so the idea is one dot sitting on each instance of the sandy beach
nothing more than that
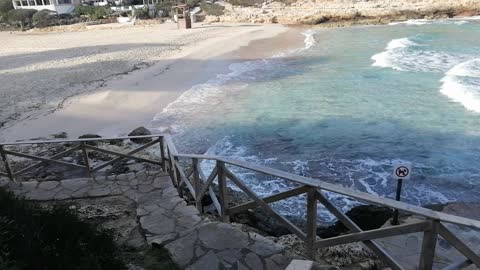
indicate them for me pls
(109, 81)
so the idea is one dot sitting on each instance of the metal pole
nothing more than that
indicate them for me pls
(397, 197)
(7, 165)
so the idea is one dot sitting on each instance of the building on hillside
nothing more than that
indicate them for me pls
(59, 6)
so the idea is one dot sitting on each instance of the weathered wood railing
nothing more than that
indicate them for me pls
(85, 147)
(199, 185)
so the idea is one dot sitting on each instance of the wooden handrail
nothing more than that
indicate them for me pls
(83, 146)
(430, 228)
(81, 140)
(374, 234)
(362, 196)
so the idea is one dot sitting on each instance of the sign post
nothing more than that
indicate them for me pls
(400, 172)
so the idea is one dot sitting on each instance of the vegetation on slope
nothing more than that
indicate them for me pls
(32, 237)
(5, 7)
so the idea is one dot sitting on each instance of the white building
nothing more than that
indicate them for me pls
(59, 6)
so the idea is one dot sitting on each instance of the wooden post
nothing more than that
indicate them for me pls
(311, 222)
(7, 165)
(171, 168)
(86, 160)
(428, 247)
(196, 184)
(222, 190)
(178, 177)
(162, 154)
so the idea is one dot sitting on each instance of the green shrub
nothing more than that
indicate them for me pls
(142, 13)
(212, 9)
(44, 18)
(193, 3)
(36, 238)
(21, 17)
(93, 12)
(157, 258)
(5, 7)
(164, 7)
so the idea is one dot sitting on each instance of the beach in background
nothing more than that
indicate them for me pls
(109, 81)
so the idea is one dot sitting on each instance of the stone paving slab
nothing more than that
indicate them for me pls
(165, 219)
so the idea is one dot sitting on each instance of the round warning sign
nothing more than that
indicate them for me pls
(402, 171)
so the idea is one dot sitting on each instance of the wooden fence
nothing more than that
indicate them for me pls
(85, 147)
(199, 185)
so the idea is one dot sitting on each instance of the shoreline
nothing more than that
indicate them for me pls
(125, 101)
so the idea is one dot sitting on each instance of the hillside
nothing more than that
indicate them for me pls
(341, 12)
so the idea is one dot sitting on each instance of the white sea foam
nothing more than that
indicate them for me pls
(457, 21)
(370, 175)
(403, 54)
(309, 39)
(300, 167)
(413, 22)
(211, 92)
(393, 52)
(462, 84)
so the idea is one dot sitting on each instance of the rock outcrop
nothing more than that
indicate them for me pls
(342, 12)
(140, 131)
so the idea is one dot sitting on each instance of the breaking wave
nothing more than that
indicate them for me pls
(456, 21)
(368, 175)
(201, 97)
(462, 84)
(403, 54)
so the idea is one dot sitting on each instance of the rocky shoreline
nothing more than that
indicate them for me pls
(337, 13)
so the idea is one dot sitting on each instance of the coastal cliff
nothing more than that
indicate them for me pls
(342, 12)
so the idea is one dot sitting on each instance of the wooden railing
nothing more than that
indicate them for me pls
(198, 185)
(85, 147)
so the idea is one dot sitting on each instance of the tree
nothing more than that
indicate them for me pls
(5, 7)
(164, 7)
(93, 12)
(44, 18)
(22, 17)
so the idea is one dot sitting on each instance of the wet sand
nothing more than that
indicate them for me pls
(123, 102)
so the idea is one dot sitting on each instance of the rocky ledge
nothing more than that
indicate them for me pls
(341, 12)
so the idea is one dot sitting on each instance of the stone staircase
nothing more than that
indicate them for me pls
(194, 241)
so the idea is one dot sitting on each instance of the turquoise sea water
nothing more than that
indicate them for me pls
(346, 107)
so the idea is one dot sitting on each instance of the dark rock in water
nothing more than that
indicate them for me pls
(367, 217)
(90, 136)
(140, 131)
(60, 135)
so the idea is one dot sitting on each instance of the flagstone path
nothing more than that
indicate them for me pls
(165, 219)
